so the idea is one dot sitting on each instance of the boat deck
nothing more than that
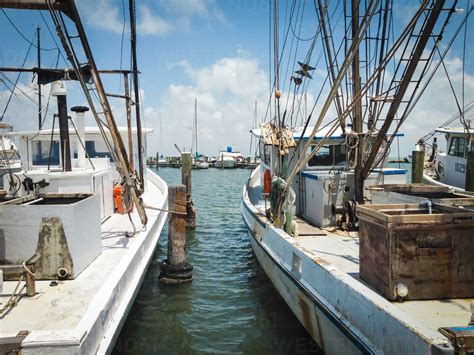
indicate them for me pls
(342, 251)
(67, 312)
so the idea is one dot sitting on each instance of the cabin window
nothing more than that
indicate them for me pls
(457, 147)
(40, 152)
(328, 155)
(97, 149)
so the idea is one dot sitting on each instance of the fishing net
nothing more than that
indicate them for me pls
(282, 202)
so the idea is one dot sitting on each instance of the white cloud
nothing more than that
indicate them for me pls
(226, 93)
(102, 14)
(152, 24)
(189, 8)
(106, 15)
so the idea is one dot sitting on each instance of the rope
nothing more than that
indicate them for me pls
(345, 66)
(27, 270)
(165, 210)
(12, 302)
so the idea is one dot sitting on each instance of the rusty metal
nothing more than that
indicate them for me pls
(122, 162)
(461, 337)
(12, 345)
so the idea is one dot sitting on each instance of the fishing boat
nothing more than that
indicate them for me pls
(228, 159)
(361, 277)
(79, 227)
(447, 165)
(225, 160)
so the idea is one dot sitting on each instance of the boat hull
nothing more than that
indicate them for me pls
(430, 181)
(92, 308)
(340, 313)
(226, 164)
(331, 335)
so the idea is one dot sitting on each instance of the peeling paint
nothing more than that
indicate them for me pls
(53, 247)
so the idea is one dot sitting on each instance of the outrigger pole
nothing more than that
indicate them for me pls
(133, 42)
(68, 7)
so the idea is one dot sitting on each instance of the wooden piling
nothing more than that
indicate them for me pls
(157, 160)
(175, 269)
(469, 184)
(417, 165)
(186, 179)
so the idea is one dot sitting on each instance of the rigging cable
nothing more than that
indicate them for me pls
(16, 81)
(23, 36)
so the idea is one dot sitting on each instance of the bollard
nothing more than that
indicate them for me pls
(469, 183)
(418, 163)
(186, 179)
(175, 270)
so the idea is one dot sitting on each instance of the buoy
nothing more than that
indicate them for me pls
(119, 206)
(267, 180)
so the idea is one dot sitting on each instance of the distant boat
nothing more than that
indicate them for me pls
(202, 165)
(228, 159)
(162, 163)
(199, 162)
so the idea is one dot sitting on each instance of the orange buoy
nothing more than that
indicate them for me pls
(119, 206)
(267, 180)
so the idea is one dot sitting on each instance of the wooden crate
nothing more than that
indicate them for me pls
(432, 254)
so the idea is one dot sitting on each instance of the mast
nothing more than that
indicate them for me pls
(196, 124)
(277, 83)
(118, 151)
(357, 112)
(133, 40)
(128, 105)
(37, 77)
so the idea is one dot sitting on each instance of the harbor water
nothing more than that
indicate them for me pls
(230, 306)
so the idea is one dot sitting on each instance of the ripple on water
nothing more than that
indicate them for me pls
(230, 306)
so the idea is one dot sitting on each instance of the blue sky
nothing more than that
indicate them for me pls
(217, 51)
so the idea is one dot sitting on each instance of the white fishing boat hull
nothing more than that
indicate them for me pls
(226, 164)
(430, 181)
(85, 315)
(202, 165)
(341, 313)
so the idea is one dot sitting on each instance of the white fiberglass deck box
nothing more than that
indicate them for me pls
(64, 229)
(323, 189)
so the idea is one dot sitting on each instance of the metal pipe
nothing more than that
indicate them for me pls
(429, 205)
(335, 209)
(30, 284)
(62, 272)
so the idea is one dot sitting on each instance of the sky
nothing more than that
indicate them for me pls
(215, 51)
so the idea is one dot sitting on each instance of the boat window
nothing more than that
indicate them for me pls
(98, 149)
(457, 147)
(40, 153)
(328, 155)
